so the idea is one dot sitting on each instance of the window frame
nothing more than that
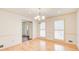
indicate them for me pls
(42, 29)
(59, 29)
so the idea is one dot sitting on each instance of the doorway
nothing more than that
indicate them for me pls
(26, 31)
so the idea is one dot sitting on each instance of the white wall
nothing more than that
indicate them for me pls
(70, 27)
(35, 29)
(78, 29)
(10, 29)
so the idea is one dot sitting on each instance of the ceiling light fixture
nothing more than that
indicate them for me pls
(39, 17)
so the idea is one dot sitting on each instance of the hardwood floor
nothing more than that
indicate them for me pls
(42, 45)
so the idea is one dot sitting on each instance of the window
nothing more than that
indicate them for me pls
(59, 29)
(42, 29)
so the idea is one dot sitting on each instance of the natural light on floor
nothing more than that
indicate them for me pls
(58, 47)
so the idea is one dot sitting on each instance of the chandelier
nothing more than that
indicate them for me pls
(39, 16)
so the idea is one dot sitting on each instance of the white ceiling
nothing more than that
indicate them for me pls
(30, 13)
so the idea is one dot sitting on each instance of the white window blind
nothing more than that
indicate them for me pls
(59, 29)
(42, 29)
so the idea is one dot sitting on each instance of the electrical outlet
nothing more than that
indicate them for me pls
(70, 41)
(1, 46)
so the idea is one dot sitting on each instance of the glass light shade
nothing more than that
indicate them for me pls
(40, 17)
(35, 18)
(43, 17)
